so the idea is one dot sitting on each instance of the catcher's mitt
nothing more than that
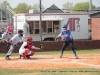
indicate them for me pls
(40, 46)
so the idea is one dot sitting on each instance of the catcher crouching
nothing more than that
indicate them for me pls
(26, 49)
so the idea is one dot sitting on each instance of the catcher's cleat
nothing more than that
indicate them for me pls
(76, 57)
(23, 56)
(28, 56)
(20, 56)
(7, 57)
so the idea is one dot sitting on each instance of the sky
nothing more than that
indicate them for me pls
(48, 3)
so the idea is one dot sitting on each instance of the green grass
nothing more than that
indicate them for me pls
(58, 52)
(75, 71)
(14, 71)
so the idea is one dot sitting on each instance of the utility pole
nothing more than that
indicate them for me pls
(1, 15)
(90, 5)
(40, 23)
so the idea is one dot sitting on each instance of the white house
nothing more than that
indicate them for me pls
(52, 23)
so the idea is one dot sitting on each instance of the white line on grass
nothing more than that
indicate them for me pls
(81, 63)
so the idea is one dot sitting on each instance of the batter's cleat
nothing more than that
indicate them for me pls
(61, 56)
(76, 57)
(7, 57)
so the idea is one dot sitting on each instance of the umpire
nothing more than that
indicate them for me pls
(13, 42)
(68, 39)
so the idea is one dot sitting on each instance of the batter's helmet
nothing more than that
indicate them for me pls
(65, 26)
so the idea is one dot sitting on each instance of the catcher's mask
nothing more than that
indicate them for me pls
(29, 38)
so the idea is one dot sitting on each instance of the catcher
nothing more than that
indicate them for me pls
(26, 49)
(68, 39)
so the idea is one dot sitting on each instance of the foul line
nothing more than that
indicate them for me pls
(81, 63)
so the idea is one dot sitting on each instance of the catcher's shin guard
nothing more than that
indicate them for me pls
(32, 53)
(25, 53)
(28, 56)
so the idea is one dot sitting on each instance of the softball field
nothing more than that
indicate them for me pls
(52, 62)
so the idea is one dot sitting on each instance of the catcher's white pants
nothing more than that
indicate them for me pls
(21, 51)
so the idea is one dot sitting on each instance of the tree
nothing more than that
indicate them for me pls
(37, 6)
(4, 4)
(22, 8)
(67, 7)
(6, 14)
(83, 6)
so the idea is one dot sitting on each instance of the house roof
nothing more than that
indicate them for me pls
(95, 15)
(53, 9)
(93, 11)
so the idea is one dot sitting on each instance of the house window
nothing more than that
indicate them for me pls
(89, 21)
(44, 27)
(3, 20)
(36, 27)
(36, 31)
(49, 30)
(56, 28)
(49, 27)
(31, 27)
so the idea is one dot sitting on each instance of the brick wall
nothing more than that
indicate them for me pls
(95, 28)
(56, 45)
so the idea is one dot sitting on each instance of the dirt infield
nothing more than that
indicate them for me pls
(52, 62)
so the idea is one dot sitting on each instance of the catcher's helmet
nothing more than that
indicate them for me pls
(29, 38)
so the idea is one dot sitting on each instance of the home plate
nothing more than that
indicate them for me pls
(53, 59)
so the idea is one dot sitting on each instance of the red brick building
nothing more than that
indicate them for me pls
(95, 25)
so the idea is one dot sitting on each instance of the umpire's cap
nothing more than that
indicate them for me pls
(20, 31)
(65, 26)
